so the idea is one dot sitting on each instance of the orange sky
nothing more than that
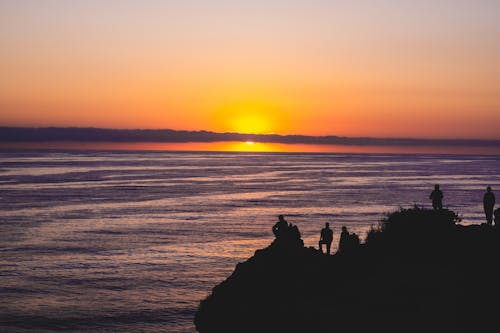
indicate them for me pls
(374, 68)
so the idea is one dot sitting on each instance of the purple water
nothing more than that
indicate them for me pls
(131, 241)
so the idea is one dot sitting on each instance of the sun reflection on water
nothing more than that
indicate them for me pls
(249, 146)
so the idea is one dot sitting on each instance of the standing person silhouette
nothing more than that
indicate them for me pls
(326, 238)
(437, 198)
(489, 205)
(344, 240)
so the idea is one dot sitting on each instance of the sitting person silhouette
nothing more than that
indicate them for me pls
(497, 216)
(293, 232)
(437, 198)
(326, 238)
(489, 204)
(348, 242)
(281, 227)
(353, 241)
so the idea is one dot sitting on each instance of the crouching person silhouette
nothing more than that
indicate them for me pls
(326, 238)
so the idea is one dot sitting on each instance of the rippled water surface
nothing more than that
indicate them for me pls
(131, 241)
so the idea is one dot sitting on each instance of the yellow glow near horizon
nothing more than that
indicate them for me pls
(248, 113)
(368, 69)
(252, 124)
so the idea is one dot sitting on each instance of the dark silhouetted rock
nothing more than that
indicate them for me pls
(417, 272)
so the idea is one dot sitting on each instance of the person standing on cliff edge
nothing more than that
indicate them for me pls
(437, 198)
(326, 238)
(489, 204)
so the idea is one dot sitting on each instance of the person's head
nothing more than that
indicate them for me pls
(281, 217)
(344, 229)
(436, 187)
(488, 189)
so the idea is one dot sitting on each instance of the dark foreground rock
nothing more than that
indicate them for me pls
(417, 272)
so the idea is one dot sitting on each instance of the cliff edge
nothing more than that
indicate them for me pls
(418, 271)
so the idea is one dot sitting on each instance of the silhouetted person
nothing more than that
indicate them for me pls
(293, 231)
(437, 198)
(353, 241)
(293, 235)
(489, 204)
(344, 240)
(281, 227)
(326, 238)
(348, 242)
(287, 235)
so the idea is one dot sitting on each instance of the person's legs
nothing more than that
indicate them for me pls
(489, 215)
(328, 246)
(320, 245)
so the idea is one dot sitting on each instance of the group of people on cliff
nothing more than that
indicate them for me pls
(488, 204)
(288, 233)
(347, 242)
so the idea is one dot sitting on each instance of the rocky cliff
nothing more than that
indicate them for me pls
(418, 271)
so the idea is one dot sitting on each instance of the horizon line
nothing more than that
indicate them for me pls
(97, 134)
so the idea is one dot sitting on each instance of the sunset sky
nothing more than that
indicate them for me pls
(424, 69)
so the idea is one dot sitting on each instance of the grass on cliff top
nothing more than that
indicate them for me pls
(416, 226)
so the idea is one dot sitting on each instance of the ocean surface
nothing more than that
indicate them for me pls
(103, 241)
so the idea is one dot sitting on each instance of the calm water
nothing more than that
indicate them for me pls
(131, 241)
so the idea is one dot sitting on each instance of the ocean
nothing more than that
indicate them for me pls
(131, 241)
